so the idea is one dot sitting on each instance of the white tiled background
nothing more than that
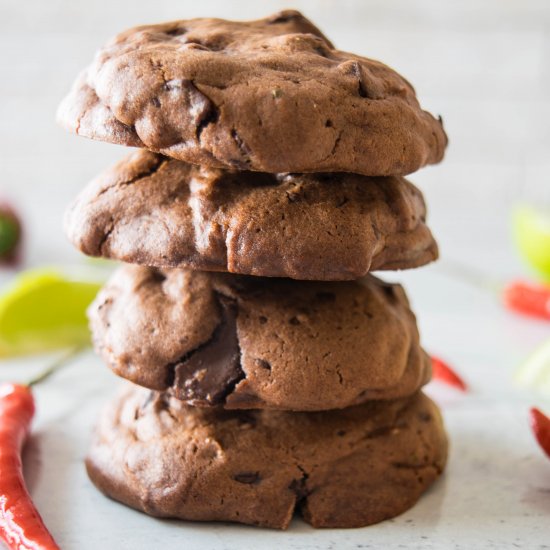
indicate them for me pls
(484, 65)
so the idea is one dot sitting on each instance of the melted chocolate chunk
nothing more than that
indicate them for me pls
(208, 374)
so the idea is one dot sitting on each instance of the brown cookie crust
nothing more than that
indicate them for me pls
(271, 95)
(246, 342)
(152, 210)
(347, 468)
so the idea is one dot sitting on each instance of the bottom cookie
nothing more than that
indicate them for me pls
(346, 468)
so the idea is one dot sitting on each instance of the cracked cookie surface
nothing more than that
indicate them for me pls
(271, 95)
(152, 210)
(347, 468)
(248, 342)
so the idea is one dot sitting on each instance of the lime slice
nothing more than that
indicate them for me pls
(44, 310)
(531, 227)
(534, 374)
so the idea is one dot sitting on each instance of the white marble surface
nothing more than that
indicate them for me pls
(484, 66)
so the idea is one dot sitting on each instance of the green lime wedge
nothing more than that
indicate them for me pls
(9, 235)
(534, 374)
(531, 228)
(44, 310)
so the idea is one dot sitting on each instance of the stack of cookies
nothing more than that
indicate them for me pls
(271, 372)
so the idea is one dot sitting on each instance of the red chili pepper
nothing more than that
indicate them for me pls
(21, 526)
(529, 299)
(443, 372)
(540, 424)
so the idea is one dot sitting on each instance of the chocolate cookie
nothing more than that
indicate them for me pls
(347, 468)
(156, 211)
(247, 342)
(271, 95)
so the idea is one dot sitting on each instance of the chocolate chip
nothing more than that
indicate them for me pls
(262, 363)
(250, 478)
(176, 31)
(157, 276)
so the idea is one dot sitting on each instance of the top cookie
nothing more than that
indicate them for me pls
(271, 95)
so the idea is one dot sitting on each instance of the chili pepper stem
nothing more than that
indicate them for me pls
(531, 299)
(57, 365)
(471, 276)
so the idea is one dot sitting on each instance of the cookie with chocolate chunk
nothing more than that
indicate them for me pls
(271, 95)
(248, 342)
(152, 210)
(347, 468)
